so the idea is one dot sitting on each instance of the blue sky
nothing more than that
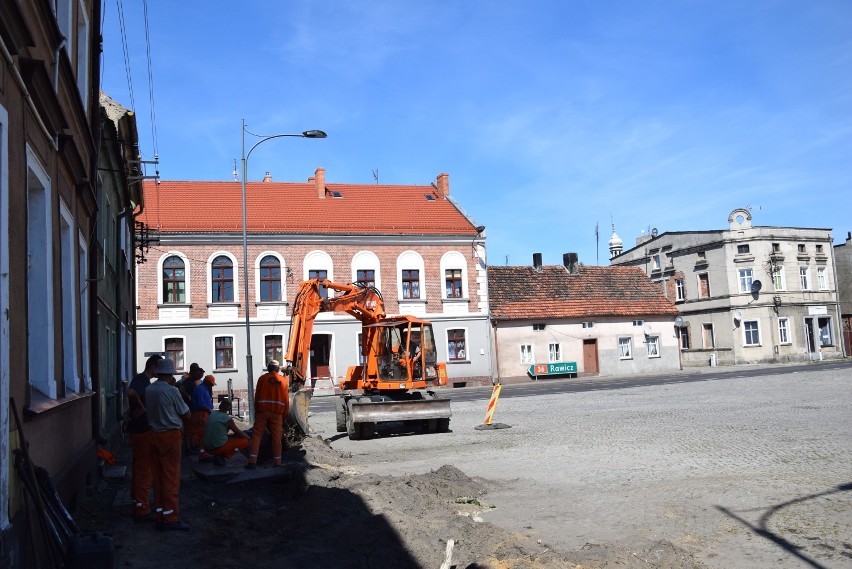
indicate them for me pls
(549, 116)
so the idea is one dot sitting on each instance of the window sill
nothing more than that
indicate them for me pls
(40, 403)
(272, 303)
(226, 370)
(455, 362)
(744, 258)
(752, 345)
(224, 304)
(410, 300)
(625, 359)
(454, 299)
(174, 305)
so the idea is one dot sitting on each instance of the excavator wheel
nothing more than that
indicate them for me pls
(340, 414)
(352, 429)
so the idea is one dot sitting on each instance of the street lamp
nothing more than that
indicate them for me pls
(245, 155)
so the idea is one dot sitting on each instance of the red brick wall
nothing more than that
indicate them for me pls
(433, 280)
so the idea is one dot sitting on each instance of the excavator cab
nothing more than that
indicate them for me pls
(406, 352)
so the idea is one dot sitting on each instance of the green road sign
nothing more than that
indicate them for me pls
(553, 368)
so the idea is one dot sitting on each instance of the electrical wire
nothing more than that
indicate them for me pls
(150, 81)
(123, 29)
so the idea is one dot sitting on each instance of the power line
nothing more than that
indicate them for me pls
(122, 28)
(150, 82)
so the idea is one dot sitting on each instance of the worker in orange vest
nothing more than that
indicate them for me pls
(271, 403)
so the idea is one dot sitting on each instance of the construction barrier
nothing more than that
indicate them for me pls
(492, 403)
(489, 412)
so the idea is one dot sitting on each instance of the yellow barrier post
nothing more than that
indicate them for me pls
(489, 412)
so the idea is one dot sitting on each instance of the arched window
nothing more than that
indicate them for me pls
(222, 279)
(270, 279)
(174, 280)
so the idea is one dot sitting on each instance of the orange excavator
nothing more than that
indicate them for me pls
(399, 355)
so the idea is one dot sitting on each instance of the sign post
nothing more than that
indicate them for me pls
(552, 368)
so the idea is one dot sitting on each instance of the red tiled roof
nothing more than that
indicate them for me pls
(292, 207)
(523, 293)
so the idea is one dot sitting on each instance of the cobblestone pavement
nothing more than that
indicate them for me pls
(743, 472)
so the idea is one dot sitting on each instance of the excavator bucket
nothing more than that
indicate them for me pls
(300, 407)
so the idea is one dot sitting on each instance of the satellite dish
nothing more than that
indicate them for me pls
(654, 232)
(756, 286)
(679, 321)
(738, 315)
(648, 329)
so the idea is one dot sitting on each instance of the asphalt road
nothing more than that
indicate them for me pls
(743, 467)
(576, 385)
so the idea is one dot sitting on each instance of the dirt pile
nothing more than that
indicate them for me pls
(320, 512)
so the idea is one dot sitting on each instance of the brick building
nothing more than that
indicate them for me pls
(49, 133)
(413, 242)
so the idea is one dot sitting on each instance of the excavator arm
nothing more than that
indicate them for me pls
(363, 302)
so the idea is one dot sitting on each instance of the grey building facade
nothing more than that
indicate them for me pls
(746, 294)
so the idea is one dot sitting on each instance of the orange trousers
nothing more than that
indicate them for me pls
(231, 447)
(275, 422)
(141, 476)
(165, 460)
(197, 424)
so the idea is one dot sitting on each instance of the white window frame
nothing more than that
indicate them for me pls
(554, 352)
(653, 346)
(746, 331)
(40, 325)
(318, 261)
(367, 261)
(655, 262)
(680, 290)
(466, 343)
(805, 278)
(784, 331)
(745, 278)
(822, 278)
(625, 347)
(778, 279)
(186, 280)
(410, 260)
(5, 371)
(68, 296)
(453, 260)
(527, 353)
(257, 286)
(233, 351)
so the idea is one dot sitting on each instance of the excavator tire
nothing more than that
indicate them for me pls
(340, 414)
(352, 429)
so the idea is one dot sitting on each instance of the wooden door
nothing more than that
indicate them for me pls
(321, 356)
(590, 356)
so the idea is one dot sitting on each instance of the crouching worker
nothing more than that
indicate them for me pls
(216, 440)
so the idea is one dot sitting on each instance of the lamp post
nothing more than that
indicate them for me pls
(245, 156)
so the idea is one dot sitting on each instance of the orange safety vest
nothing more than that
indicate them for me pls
(272, 393)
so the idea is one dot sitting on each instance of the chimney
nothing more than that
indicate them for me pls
(537, 261)
(570, 262)
(267, 177)
(319, 181)
(443, 185)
